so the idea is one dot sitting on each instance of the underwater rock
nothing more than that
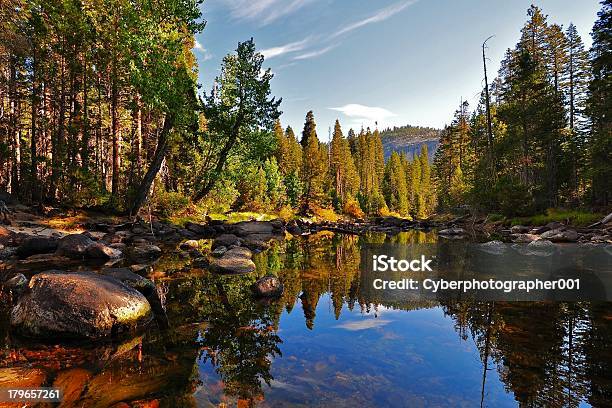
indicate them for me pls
(268, 286)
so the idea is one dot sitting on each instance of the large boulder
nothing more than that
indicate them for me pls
(144, 286)
(268, 286)
(74, 246)
(82, 305)
(37, 245)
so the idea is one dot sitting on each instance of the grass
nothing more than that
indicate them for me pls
(573, 217)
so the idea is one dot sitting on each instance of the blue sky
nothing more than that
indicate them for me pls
(396, 62)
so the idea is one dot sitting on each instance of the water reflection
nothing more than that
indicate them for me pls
(347, 346)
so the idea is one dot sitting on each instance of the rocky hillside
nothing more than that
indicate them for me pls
(409, 139)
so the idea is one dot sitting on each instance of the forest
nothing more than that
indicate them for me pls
(100, 108)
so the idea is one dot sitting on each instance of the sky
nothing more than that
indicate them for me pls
(394, 62)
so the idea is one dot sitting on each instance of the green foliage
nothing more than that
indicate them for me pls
(573, 217)
(168, 203)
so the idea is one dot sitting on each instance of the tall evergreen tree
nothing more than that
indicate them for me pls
(600, 107)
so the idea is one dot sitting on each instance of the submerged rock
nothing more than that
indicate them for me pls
(542, 247)
(81, 305)
(22, 377)
(268, 286)
(493, 247)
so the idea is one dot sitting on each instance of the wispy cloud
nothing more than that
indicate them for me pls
(264, 11)
(365, 113)
(315, 53)
(380, 15)
(200, 48)
(363, 324)
(284, 49)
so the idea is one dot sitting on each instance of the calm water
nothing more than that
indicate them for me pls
(332, 341)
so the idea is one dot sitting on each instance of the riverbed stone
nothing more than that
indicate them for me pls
(101, 251)
(16, 285)
(219, 251)
(239, 252)
(226, 240)
(524, 238)
(560, 235)
(37, 245)
(452, 231)
(143, 252)
(519, 229)
(190, 244)
(493, 247)
(268, 286)
(542, 247)
(234, 261)
(245, 228)
(81, 305)
(74, 246)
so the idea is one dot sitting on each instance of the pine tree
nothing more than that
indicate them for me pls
(342, 167)
(314, 161)
(394, 185)
(600, 107)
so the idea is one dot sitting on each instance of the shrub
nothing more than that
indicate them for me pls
(352, 209)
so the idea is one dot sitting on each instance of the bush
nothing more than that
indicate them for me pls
(168, 203)
(352, 209)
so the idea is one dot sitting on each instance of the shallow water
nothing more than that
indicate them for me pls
(333, 341)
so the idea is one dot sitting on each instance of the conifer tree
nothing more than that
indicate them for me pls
(600, 107)
(394, 185)
(342, 167)
(314, 161)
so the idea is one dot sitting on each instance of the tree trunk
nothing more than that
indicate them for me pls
(114, 137)
(158, 158)
(33, 132)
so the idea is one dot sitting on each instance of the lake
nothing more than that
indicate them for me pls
(331, 340)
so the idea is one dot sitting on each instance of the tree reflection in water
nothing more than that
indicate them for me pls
(546, 354)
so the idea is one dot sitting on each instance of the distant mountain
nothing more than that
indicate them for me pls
(409, 139)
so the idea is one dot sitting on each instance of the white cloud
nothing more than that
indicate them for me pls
(365, 113)
(315, 53)
(284, 49)
(379, 16)
(263, 11)
(203, 51)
